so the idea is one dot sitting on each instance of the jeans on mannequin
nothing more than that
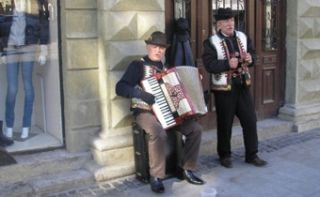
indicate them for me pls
(13, 66)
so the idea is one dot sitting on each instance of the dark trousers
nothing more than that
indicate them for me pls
(237, 102)
(157, 143)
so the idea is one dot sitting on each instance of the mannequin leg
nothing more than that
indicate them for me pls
(12, 89)
(27, 69)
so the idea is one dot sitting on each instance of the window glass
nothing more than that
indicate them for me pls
(29, 69)
(270, 25)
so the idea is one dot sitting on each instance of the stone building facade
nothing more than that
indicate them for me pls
(100, 37)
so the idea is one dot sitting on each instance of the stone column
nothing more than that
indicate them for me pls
(80, 73)
(302, 105)
(123, 25)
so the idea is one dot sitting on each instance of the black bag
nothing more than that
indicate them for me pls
(5, 157)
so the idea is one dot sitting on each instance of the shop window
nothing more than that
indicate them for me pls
(30, 103)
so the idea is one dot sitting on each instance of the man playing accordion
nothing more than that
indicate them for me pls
(129, 86)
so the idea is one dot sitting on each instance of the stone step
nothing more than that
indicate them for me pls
(47, 184)
(102, 173)
(55, 171)
(44, 163)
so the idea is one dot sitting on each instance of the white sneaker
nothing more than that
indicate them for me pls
(25, 132)
(8, 132)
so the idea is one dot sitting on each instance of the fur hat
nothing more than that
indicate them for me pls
(223, 13)
(158, 38)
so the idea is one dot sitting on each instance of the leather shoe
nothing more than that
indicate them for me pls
(5, 141)
(256, 161)
(226, 162)
(156, 185)
(192, 178)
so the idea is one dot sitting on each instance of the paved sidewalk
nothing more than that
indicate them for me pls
(293, 170)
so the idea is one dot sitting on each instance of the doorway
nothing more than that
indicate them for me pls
(264, 22)
(46, 122)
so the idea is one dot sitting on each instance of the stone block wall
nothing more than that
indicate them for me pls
(80, 72)
(122, 27)
(303, 65)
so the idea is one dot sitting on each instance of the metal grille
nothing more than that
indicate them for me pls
(237, 6)
(181, 8)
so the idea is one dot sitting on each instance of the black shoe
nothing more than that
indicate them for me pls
(256, 161)
(191, 178)
(5, 141)
(226, 162)
(156, 185)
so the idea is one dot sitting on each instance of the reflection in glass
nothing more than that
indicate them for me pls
(270, 25)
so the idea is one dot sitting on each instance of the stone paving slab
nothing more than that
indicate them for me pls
(293, 170)
(18, 189)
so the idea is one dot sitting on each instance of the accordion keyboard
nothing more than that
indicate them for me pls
(161, 107)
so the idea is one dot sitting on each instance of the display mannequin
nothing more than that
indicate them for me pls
(23, 42)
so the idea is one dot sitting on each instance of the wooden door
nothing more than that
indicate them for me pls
(270, 46)
(197, 13)
(268, 74)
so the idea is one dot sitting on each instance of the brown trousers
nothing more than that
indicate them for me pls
(157, 143)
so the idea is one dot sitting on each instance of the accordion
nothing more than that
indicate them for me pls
(175, 101)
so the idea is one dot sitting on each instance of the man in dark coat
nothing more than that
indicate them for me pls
(227, 55)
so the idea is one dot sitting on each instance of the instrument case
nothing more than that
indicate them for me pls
(140, 143)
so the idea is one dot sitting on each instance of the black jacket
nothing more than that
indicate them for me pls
(133, 76)
(180, 52)
(37, 26)
(210, 58)
(127, 85)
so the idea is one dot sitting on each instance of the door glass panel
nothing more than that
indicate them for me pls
(270, 29)
(179, 9)
(182, 9)
(29, 74)
(237, 6)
